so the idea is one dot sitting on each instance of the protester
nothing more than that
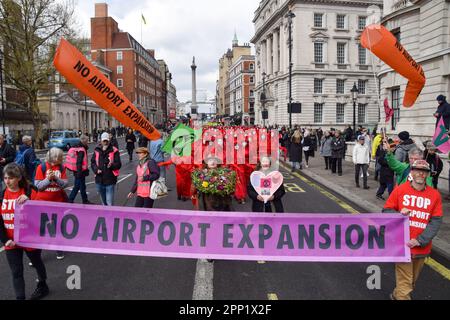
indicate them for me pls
(18, 190)
(77, 162)
(296, 151)
(377, 141)
(338, 147)
(401, 169)
(7, 155)
(258, 205)
(325, 149)
(443, 111)
(406, 145)
(361, 159)
(131, 141)
(143, 141)
(308, 147)
(113, 141)
(157, 154)
(106, 164)
(26, 157)
(51, 180)
(147, 172)
(425, 215)
(435, 162)
(348, 134)
(386, 174)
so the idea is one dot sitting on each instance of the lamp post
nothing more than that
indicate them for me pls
(263, 98)
(3, 99)
(290, 16)
(355, 93)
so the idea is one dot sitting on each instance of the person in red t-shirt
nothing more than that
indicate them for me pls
(51, 179)
(18, 191)
(423, 205)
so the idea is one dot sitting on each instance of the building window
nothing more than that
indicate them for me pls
(362, 23)
(362, 113)
(362, 86)
(318, 20)
(397, 34)
(318, 86)
(252, 94)
(340, 86)
(340, 113)
(252, 66)
(318, 112)
(119, 83)
(119, 69)
(395, 107)
(362, 55)
(341, 53)
(252, 80)
(340, 21)
(119, 55)
(318, 52)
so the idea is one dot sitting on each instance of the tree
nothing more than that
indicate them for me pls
(29, 32)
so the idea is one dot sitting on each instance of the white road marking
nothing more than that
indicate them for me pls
(203, 286)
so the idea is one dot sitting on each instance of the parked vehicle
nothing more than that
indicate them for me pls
(63, 139)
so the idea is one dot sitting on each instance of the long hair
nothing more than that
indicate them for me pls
(13, 170)
(297, 137)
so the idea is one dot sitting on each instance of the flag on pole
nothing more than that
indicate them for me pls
(143, 19)
(441, 139)
(388, 110)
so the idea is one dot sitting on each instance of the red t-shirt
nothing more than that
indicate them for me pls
(53, 192)
(423, 205)
(7, 210)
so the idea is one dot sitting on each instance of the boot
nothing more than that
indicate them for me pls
(41, 291)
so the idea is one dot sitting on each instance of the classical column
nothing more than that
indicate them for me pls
(263, 57)
(276, 39)
(269, 55)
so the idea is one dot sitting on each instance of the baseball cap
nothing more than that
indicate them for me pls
(105, 136)
(421, 165)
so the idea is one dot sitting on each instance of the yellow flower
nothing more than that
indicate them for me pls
(205, 184)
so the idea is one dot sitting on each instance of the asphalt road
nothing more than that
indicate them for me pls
(138, 278)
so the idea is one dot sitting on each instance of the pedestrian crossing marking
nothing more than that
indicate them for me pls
(272, 297)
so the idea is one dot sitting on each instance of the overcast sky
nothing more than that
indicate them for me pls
(181, 29)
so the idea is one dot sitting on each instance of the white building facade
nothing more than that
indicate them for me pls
(423, 28)
(326, 61)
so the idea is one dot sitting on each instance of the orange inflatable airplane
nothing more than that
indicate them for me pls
(382, 43)
(88, 79)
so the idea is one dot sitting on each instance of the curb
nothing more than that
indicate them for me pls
(440, 246)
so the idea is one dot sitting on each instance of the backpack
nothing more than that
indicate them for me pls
(20, 158)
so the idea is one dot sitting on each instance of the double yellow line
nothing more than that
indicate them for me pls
(433, 264)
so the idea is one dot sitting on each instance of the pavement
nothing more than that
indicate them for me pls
(345, 186)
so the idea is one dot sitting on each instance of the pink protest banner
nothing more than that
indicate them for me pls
(441, 139)
(212, 235)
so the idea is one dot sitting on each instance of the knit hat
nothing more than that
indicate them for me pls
(404, 135)
(441, 98)
(421, 165)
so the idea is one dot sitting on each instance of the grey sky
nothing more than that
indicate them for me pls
(180, 29)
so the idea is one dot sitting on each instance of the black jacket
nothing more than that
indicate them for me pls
(130, 145)
(435, 162)
(107, 176)
(7, 152)
(386, 174)
(444, 111)
(295, 152)
(338, 147)
(258, 206)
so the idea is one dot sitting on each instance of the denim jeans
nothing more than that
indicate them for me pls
(80, 185)
(106, 194)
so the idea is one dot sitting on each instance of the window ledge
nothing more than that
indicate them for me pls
(342, 30)
(319, 28)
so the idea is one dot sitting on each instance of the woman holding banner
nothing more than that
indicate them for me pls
(147, 172)
(18, 191)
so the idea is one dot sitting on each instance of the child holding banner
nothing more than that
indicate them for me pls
(18, 191)
(258, 205)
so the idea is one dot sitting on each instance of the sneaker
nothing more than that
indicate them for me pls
(366, 188)
(40, 292)
(88, 202)
(380, 197)
(30, 264)
(60, 256)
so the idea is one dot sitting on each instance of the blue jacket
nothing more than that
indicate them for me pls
(155, 150)
(29, 160)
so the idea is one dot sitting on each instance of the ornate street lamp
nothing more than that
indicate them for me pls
(355, 93)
